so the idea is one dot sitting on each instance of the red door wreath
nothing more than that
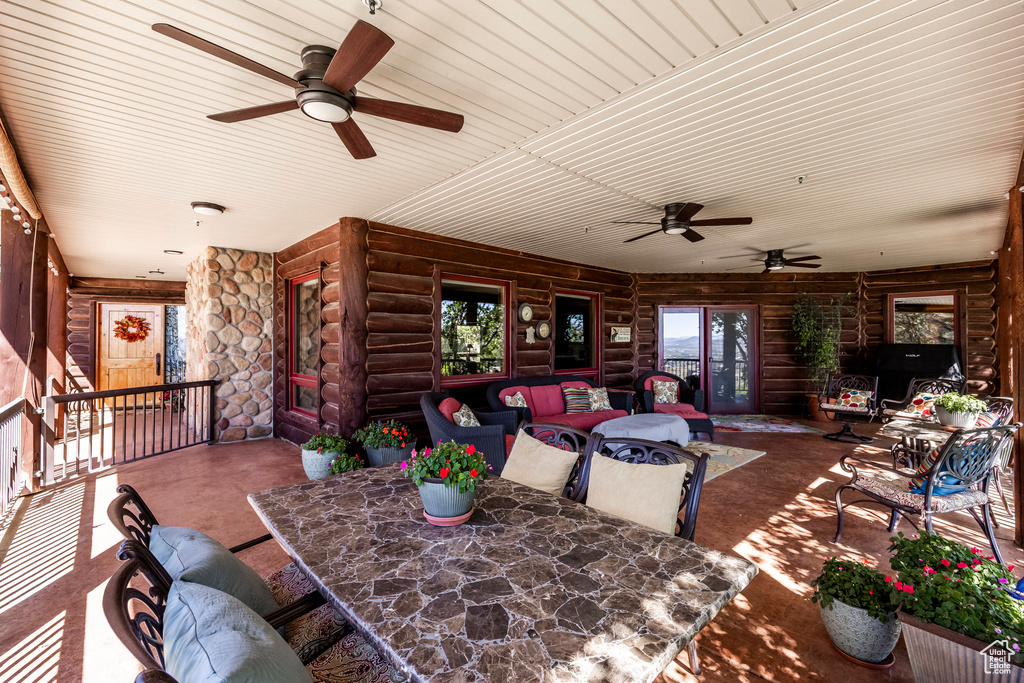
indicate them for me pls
(131, 328)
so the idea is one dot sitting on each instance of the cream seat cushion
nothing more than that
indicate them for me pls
(645, 494)
(538, 465)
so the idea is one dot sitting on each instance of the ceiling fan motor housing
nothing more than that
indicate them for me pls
(669, 224)
(775, 260)
(316, 99)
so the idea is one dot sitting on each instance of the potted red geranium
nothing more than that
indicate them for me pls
(447, 476)
(385, 442)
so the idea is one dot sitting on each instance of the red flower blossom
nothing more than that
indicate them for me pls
(888, 579)
(444, 472)
(473, 473)
(899, 586)
(871, 592)
(909, 589)
(945, 562)
(961, 565)
(470, 449)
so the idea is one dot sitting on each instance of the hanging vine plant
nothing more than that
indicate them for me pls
(131, 328)
(817, 328)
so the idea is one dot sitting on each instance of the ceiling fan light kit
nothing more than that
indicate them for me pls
(325, 87)
(207, 208)
(678, 220)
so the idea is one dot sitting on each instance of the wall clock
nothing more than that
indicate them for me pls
(525, 312)
(543, 330)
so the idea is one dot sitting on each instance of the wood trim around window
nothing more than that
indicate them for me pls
(294, 379)
(596, 371)
(958, 295)
(447, 381)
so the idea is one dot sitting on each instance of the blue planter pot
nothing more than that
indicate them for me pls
(445, 501)
(379, 457)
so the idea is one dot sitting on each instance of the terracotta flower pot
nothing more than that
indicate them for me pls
(317, 464)
(379, 457)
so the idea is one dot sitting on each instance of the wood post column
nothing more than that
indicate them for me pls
(352, 312)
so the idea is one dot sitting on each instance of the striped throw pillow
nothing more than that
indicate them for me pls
(917, 484)
(576, 400)
(986, 420)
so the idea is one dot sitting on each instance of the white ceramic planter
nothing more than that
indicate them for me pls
(960, 420)
(938, 655)
(317, 464)
(859, 635)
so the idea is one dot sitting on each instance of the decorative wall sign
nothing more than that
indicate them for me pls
(620, 334)
(131, 328)
(530, 338)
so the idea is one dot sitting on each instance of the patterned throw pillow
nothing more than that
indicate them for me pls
(665, 392)
(599, 399)
(855, 398)
(516, 400)
(576, 400)
(917, 483)
(922, 404)
(986, 420)
(465, 417)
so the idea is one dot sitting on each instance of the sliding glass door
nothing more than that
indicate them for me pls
(713, 348)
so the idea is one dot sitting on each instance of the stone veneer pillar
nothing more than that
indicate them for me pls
(229, 308)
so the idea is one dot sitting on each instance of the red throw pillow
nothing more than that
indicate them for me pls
(448, 408)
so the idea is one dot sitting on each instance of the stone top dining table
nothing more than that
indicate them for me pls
(533, 588)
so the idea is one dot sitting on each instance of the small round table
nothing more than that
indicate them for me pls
(651, 426)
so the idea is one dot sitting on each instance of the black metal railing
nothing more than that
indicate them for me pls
(682, 367)
(459, 366)
(685, 367)
(105, 428)
(10, 447)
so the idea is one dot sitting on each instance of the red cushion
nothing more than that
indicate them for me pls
(575, 385)
(509, 440)
(584, 421)
(683, 410)
(547, 400)
(449, 407)
(649, 382)
(511, 391)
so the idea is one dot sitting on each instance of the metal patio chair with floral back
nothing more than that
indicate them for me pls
(848, 398)
(950, 478)
(919, 402)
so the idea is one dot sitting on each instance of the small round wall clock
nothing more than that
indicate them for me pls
(525, 312)
(543, 329)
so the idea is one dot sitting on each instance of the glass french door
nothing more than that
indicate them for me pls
(713, 348)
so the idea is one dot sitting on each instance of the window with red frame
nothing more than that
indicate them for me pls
(474, 330)
(576, 333)
(304, 344)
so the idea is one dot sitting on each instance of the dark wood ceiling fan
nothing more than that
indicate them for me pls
(775, 260)
(325, 87)
(678, 220)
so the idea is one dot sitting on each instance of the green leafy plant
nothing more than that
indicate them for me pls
(331, 443)
(454, 464)
(817, 328)
(390, 434)
(958, 588)
(346, 462)
(959, 403)
(858, 585)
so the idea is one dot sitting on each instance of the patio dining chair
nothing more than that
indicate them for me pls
(848, 398)
(135, 603)
(566, 438)
(954, 477)
(644, 452)
(890, 408)
(314, 627)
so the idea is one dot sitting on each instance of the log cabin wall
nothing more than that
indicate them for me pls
(976, 282)
(82, 322)
(783, 382)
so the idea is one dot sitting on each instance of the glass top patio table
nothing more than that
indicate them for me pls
(910, 428)
(533, 588)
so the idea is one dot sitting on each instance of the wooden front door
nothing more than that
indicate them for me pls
(123, 364)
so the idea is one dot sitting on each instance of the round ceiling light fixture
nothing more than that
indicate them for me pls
(323, 105)
(207, 208)
(173, 252)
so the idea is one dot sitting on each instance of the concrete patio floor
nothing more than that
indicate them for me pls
(777, 511)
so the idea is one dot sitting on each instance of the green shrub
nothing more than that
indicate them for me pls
(959, 403)
(454, 464)
(346, 462)
(331, 443)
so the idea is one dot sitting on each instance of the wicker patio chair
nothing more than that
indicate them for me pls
(689, 407)
(830, 404)
(962, 467)
(890, 408)
(315, 626)
(493, 437)
(134, 602)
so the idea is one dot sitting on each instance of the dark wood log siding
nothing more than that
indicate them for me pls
(784, 380)
(83, 295)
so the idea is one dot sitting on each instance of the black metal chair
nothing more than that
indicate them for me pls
(890, 408)
(830, 404)
(642, 451)
(566, 438)
(315, 625)
(688, 396)
(963, 468)
(492, 437)
(134, 602)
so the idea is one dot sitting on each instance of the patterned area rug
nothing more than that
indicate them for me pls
(723, 458)
(760, 423)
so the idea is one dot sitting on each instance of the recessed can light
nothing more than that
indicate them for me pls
(173, 252)
(207, 208)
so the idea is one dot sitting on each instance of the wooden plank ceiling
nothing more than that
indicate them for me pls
(904, 116)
